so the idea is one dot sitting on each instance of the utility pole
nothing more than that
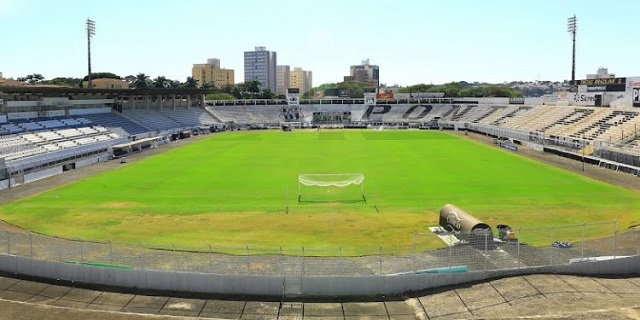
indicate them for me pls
(91, 31)
(571, 28)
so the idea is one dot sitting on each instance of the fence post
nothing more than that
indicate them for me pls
(414, 263)
(248, 261)
(81, 253)
(210, 259)
(59, 246)
(380, 260)
(340, 261)
(8, 242)
(141, 256)
(110, 251)
(486, 253)
(173, 246)
(450, 254)
(282, 272)
(615, 238)
(30, 245)
(582, 243)
(518, 244)
(551, 254)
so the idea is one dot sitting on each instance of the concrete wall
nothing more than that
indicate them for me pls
(75, 112)
(4, 184)
(273, 285)
(87, 162)
(42, 174)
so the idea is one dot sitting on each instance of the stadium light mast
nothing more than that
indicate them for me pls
(91, 31)
(571, 28)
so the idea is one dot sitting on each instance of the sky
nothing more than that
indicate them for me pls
(413, 41)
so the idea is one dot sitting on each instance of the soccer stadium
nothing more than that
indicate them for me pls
(162, 190)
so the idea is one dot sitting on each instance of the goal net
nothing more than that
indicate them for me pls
(291, 124)
(337, 187)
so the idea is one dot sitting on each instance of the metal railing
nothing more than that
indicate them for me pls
(554, 245)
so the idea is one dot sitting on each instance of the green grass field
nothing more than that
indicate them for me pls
(232, 189)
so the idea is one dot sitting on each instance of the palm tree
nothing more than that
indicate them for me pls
(173, 84)
(142, 81)
(160, 82)
(191, 83)
(130, 79)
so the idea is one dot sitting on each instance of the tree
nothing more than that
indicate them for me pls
(416, 88)
(102, 75)
(236, 92)
(191, 83)
(130, 79)
(61, 81)
(252, 86)
(220, 96)
(32, 78)
(208, 85)
(160, 82)
(142, 81)
(266, 94)
(173, 84)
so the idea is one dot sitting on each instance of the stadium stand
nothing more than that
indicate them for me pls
(31, 139)
(151, 118)
(268, 115)
(115, 122)
(189, 117)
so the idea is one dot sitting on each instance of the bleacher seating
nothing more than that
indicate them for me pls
(24, 138)
(248, 114)
(190, 117)
(152, 119)
(115, 123)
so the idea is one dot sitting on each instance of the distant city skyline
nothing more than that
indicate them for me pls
(412, 41)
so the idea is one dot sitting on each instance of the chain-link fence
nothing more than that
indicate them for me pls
(555, 245)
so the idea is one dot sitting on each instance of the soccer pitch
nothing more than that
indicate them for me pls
(233, 189)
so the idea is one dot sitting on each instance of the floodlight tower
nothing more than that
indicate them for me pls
(91, 31)
(571, 28)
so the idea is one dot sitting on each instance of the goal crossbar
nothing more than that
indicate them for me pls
(331, 180)
(339, 180)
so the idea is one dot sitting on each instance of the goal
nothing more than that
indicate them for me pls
(333, 187)
(291, 124)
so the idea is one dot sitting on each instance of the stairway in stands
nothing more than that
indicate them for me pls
(595, 130)
(492, 110)
(574, 117)
(505, 118)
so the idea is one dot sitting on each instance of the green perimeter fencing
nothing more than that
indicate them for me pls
(482, 252)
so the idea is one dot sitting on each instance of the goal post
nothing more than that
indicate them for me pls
(332, 187)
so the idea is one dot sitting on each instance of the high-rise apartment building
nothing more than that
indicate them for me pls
(365, 72)
(211, 72)
(261, 65)
(282, 80)
(301, 79)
